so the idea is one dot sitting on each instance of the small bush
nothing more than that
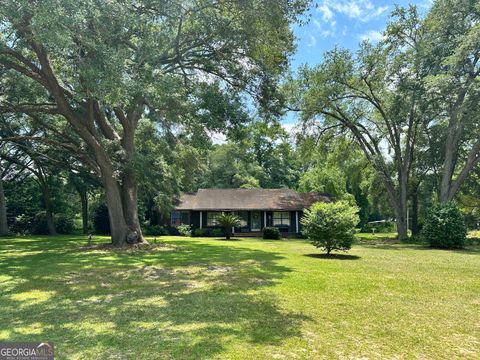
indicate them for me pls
(331, 226)
(101, 220)
(217, 233)
(39, 224)
(445, 227)
(271, 233)
(22, 225)
(64, 224)
(199, 232)
(185, 230)
(155, 230)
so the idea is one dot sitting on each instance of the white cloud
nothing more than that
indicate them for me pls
(363, 10)
(328, 33)
(327, 14)
(372, 35)
(324, 31)
(312, 41)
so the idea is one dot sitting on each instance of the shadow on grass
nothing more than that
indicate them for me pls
(334, 256)
(186, 300)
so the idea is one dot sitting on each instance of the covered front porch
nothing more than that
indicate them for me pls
(252, 221)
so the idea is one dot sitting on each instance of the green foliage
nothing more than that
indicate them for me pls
(260, 156)
(271, 232)
(64, 224)
(101, 220)
(155, 230)
(445, 227)
(199, 232)
(217, 233)
(323, 179)
(21, 225)
(228, 221)
(39, 225)
(185, 230)
(337, 166)
(331, 226)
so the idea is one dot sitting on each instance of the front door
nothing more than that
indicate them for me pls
(256, 221)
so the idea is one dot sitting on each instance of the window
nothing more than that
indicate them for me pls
(281, 218)
(212, 218)
(243, 216)
(179, 218)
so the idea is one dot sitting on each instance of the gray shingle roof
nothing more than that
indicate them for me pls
(249, 199)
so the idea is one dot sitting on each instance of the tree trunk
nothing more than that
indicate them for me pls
(448, 165)
(118, 226)
(400, 218)
(398, 200)
(228, 233)
(48, 208)
(415, 229)
(84, 202)
(130, 206)
(122, 210)
(3, 211)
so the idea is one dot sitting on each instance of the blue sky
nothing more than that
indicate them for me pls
(345, 23)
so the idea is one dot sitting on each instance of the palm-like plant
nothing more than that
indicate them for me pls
(228, 221)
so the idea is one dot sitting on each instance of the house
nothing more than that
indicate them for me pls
(256, 208)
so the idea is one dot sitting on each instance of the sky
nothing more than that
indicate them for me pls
(344, 23)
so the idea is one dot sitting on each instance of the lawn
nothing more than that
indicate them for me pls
(192, 298)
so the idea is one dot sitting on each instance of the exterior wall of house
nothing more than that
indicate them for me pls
(194, 220)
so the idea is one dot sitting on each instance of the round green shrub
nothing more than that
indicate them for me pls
(445, 227)
(185, 230)
(199, 232)
(271, 232)
(331, 226)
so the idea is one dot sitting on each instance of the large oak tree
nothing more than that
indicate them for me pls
(376, 96)
(102, 65)
(452, 31)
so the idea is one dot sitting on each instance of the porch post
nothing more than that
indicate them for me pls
(264, 219)
(201, 219)
(296, 221)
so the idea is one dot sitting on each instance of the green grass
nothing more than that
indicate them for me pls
(247, 299)
(376, 236)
